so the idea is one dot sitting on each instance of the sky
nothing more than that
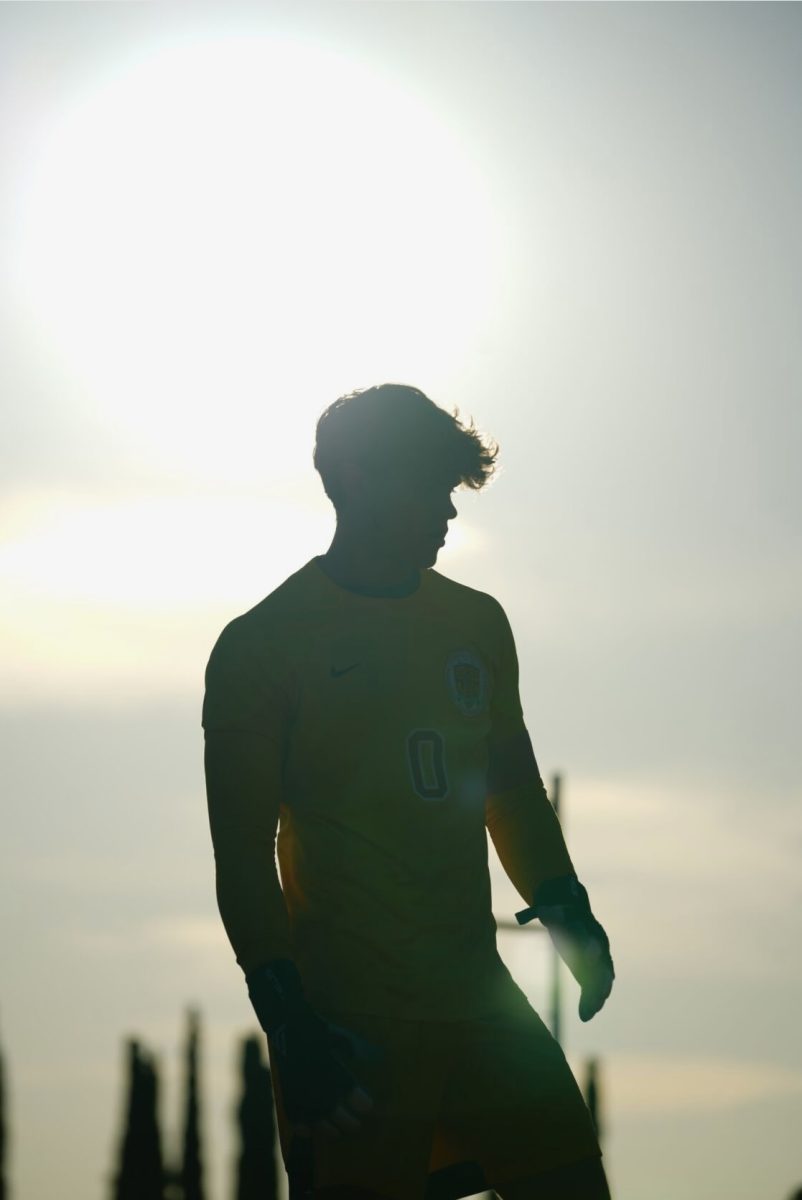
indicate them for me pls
(579, 224)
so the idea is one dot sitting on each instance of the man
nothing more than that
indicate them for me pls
(368, 710)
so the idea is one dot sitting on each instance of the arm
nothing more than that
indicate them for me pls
(518, 813)
(530, 844)
(242, 791)
(246, 721)
(242, 786)
(246, 718)
(520, 817)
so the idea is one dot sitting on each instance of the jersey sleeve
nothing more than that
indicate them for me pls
(247, 686)
(246, 713)
(519, 816)
(506, 713)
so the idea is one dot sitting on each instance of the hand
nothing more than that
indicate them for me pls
(563, 907)
(318, 1089)
(341, 1119)
(585, 950)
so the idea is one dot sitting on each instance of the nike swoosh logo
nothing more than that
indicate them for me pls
(335, 674)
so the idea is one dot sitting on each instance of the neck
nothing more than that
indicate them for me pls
(359, 566)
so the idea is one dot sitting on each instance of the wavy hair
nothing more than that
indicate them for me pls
(395, 425)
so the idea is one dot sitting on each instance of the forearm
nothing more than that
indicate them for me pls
(252, 905)
(243, 788)
(519, 816)
(527, 835)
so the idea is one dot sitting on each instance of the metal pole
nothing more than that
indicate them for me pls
(555, 989)
(556, 993)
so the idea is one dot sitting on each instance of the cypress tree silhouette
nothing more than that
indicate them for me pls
(3, 1136)
(192, 1166)
(140, 1174)
(257, 1171)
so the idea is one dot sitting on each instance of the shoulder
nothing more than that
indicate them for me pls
(481, 605)
(264, 631)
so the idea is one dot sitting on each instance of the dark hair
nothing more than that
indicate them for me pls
(397, 425)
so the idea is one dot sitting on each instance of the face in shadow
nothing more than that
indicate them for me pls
(399, 514)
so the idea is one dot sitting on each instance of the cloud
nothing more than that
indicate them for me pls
(656, 1084)
(187, 934)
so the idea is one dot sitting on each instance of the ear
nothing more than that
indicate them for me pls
(357, 482)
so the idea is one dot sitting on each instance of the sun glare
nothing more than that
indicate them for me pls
(212, 240)
(219, 236)
(129, 591)
(156, 554)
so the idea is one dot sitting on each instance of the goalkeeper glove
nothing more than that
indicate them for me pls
(562, 905)
(308, 1051)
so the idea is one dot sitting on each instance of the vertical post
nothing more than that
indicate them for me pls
(555, 1005)
(3, 1136)
(555, 995)
(592, 1093)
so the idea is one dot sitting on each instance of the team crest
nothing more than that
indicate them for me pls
(466, 676)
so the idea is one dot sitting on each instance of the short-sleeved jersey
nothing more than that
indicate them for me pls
(378, 711)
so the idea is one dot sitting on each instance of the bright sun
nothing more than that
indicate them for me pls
(221, 235)
(211, 242)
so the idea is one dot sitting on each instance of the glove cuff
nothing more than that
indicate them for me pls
(276, 992)
(566, 890)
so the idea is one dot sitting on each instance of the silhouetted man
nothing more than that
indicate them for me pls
(368, 710)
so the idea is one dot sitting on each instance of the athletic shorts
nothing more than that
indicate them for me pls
(495, 1090)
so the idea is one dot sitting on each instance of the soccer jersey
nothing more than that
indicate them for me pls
(375, 714)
